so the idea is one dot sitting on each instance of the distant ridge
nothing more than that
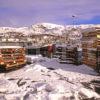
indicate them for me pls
(47, 28)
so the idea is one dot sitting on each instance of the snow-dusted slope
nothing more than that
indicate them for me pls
(10, 29)
(48, 28)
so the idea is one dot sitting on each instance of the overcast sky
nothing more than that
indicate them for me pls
(27, 12)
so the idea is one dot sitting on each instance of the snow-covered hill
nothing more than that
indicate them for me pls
(47, 28)
(11, 29)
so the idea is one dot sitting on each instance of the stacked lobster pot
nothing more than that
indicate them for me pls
(91, 49)
(98, 54)
(68, 54)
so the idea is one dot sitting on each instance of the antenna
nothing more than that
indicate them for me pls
(73, 19)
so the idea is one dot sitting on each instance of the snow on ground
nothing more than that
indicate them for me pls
(47, 79)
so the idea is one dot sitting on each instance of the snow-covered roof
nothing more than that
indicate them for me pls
(10, 47)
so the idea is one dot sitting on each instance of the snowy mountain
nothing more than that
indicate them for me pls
(10, 29)
(48, 28)
(40, 28)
